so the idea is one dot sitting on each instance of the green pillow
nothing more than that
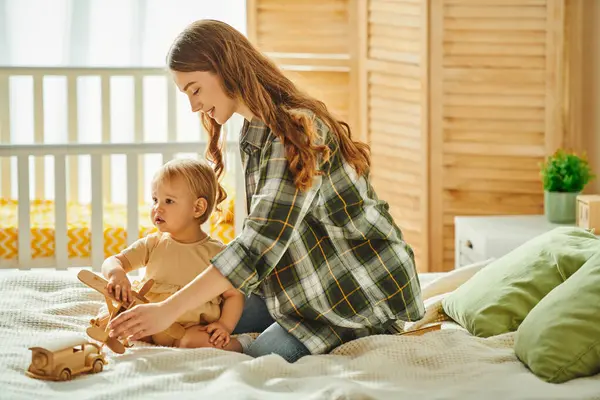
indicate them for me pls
(498, 298)
(560, 338)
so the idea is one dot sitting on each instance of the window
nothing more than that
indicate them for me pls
(105, 33)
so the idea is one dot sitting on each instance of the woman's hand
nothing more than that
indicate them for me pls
(148, 319)
(119, 285)
(141, 321)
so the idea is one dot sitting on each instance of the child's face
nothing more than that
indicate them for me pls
(174, 207)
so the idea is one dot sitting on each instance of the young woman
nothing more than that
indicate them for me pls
(319, 257)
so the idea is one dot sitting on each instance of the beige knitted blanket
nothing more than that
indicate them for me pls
(40, 305)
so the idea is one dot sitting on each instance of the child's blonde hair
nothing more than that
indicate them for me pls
(201, 180)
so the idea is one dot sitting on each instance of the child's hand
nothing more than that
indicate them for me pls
(219, 335)
(119, 285)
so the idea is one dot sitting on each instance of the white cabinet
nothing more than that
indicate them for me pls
(480, 238)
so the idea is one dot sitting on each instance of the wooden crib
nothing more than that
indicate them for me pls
(61, 231)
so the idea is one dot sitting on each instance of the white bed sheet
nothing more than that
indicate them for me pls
(40, 305)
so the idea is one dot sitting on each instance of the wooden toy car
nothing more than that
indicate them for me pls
(98, 329)
(61, 359)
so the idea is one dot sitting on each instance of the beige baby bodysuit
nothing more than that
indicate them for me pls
(172, 265)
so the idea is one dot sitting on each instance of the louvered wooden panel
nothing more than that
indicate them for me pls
(332, 86)
(586, 64)
(307, 26)
(312, 41)
(460, 100)
(395, 106)
(494, 91)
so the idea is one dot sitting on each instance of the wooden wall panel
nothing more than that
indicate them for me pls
(589, 68)
(396, 109)
(496, 109)
(460, 100)
(312, 41)
(332, 86)
(307, 26)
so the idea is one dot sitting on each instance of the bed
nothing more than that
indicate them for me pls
(42, 305)
(42, 300)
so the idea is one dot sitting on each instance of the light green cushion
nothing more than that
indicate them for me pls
(560, 338)
(498, 298)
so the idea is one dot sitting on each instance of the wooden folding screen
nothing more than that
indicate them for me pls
(311, 41)
(496, 109)
(460, 100)
(395, 86)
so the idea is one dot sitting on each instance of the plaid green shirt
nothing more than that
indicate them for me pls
(330, 262)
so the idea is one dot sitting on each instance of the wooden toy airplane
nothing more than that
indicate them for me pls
(98, 330)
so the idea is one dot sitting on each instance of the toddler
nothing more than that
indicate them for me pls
(184, 193)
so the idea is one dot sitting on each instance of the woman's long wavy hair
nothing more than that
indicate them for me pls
(247, 75)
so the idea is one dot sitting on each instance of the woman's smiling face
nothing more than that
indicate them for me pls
(205, 94)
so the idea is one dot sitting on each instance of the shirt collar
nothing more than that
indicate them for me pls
(254, 135)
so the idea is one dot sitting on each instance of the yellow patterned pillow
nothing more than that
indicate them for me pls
(42, 228)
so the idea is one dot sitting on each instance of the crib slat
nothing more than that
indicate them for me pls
(5, 167)
(24, 231)
(167, 156)
(5, 178)
(60, 213)
(138, 94)
(72, 136)
(106, 121)
(132, 198)
(97, 240)
(38, 119)
(171, 112)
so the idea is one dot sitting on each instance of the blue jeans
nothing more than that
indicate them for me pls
(273, 338)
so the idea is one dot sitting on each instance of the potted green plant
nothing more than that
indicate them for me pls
(564, 176)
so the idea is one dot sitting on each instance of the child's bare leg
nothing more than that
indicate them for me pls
(196, 337)
(147, 339)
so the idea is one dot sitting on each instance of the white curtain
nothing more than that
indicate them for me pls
(100, 33)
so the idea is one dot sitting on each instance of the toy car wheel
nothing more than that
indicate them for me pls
(65, 375)
(98, 366)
